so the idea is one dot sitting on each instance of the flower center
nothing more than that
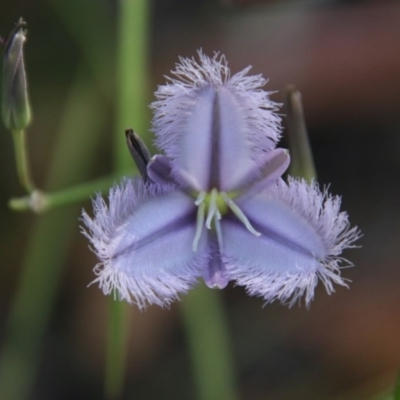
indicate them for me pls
(211, 207)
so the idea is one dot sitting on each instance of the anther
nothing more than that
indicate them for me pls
(239, 213)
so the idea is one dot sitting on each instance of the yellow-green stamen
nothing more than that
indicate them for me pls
(216, 204)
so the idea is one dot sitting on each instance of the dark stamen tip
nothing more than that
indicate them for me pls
(138, 150)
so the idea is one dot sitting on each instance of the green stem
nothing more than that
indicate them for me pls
(209, 342)
(132, 111)
(132, 77)
(21, 158)
(118, 322)
(41, 201)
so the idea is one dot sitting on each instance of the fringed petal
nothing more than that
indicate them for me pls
(303, 234)
(143, 239)
(214, 127)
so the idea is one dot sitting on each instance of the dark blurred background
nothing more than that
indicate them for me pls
(344, 57)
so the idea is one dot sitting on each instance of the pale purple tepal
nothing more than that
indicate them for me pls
(215, 205)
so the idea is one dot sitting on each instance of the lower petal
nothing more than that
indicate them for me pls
(302, 234)
(264, 175)
(143, 239)
(267, 268)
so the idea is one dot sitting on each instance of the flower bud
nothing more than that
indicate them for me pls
(15, 104)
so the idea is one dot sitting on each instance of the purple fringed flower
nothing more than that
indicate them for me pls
(215, 206)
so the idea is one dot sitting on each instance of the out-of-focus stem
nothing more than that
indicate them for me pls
(396, 394)
(118, 322)
(209, 341)
(132, 77)
(42, 201)
(131, 111)
(21, 158)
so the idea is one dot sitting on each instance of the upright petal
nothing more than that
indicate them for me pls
(143, 240)
(302, 235)
(214, 127)
(275, 164)
(159, 170)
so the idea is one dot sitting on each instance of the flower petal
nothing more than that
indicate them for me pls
(303, 234)
(275, 164)
(214, 274)
(159, 170)
(143, 240)
(215, 128)
(232, 155)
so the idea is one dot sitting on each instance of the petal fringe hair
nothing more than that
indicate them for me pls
(176, 99)
(322, 211)
(161, 289)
